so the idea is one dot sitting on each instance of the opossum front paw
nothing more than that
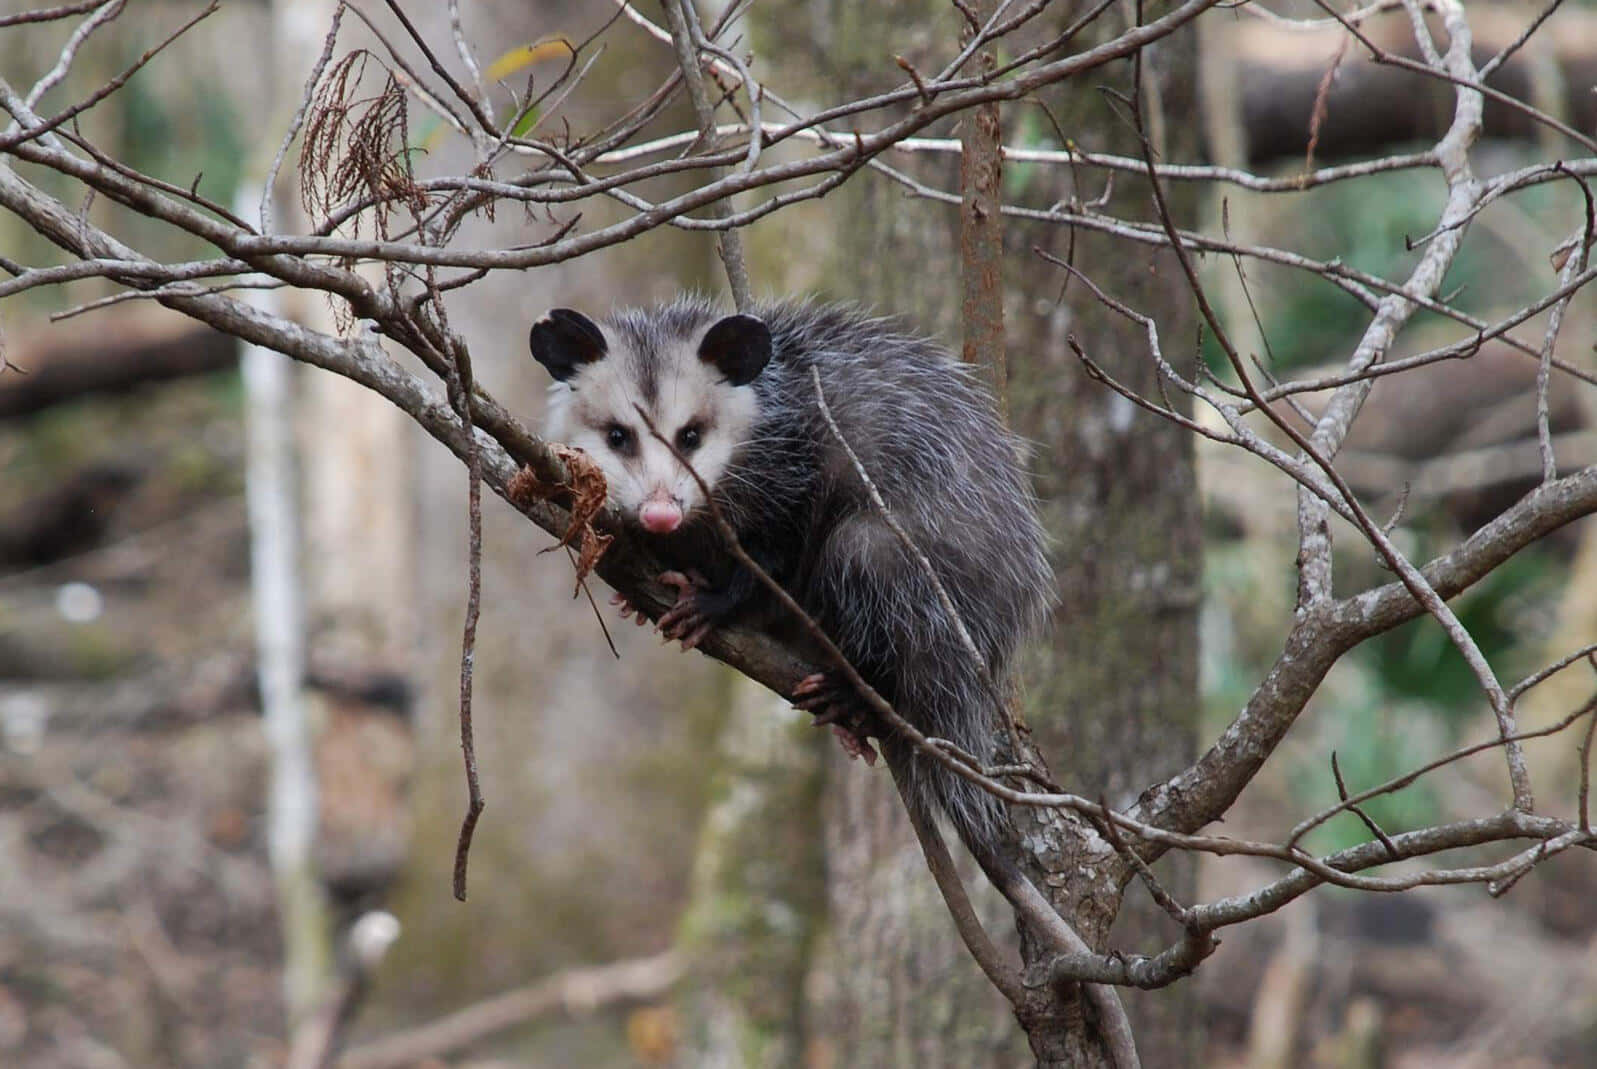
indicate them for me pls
(689, 620)
(833, 701)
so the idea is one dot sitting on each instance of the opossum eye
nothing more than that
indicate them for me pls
(688, 437)
(619, 438)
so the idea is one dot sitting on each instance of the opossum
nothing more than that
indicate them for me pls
(734, 395)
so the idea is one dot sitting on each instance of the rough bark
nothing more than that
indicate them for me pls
(756, 903)
(277, 587)
(892, 984)
(1113, 695)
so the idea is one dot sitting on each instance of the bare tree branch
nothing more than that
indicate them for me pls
(575, 992)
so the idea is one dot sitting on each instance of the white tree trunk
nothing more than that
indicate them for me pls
(272, 494)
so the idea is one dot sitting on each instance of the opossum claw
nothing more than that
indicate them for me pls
(855, 745)
(686, 621)
(628, 610)
(833, 703)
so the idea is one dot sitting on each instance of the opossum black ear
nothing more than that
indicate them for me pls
(739, 347)
(563, 341)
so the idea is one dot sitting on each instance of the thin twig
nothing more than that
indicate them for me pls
(1000, 972)
(49, 14)
(463, 50)
(1572, 267)
(297, 121)
(462, 391)
(1369, 822)
(1397, 783)
(1491, 65)
(1542, 675)
(170, 289)
(681, 17)
(473, 105)
(108, 11)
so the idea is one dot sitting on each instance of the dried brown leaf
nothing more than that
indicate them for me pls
(356, 146)
(584, 494)
(1322, 100)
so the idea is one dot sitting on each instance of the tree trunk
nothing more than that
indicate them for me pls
(755, 906)
(278, 587)
(891, 984)
(344, 744)
(1113, 696)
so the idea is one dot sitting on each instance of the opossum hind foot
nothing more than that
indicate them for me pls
(833, 701)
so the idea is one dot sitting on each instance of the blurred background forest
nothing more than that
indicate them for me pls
(138, 922)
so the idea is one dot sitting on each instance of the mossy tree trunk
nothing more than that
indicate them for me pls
(755, 904)
(1112, 696)
(892, 984)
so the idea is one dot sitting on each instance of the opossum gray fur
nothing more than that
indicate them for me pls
(734, 393)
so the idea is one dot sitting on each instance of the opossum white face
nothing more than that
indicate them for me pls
(693, 388)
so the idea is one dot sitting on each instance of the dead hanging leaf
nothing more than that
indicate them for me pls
(1560, 256)
(585, 493)
(356, 154)
(1322, 100)
(357, 143)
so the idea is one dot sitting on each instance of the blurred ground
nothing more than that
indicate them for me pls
(136, 910)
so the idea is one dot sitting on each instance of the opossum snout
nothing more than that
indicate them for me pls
(660, 514)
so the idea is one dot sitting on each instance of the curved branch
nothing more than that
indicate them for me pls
(505, 445)
(1321, 635)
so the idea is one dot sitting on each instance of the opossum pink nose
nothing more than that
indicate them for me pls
(660, 516)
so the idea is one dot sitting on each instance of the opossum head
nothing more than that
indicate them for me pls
(689, 374)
